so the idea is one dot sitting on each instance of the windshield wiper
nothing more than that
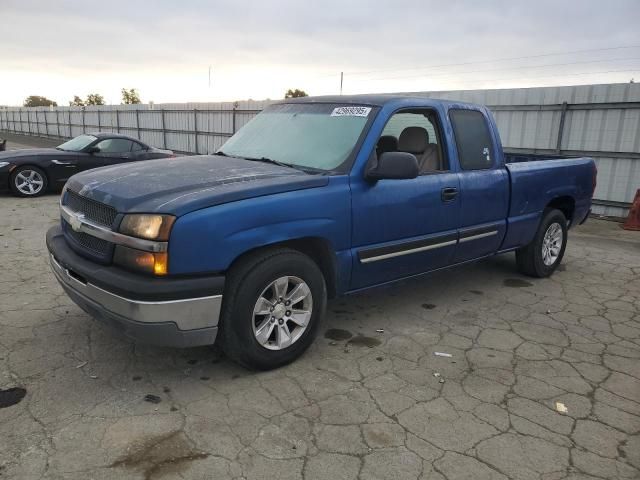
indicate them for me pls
(258, 159)
(266, 160)
(270, 160)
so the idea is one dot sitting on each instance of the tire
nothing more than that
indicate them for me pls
(244, 335)
(28, 181)
(531, 259)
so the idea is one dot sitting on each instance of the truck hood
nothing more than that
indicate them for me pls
(181, 185)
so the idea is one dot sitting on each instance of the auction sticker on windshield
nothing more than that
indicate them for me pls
(350, 111)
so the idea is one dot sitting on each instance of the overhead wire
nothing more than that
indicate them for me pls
(470, 72)
(503, 59)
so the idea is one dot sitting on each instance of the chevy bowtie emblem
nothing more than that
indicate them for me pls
(75, 220)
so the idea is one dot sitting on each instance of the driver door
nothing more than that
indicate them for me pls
(87, 161)
(406, 227)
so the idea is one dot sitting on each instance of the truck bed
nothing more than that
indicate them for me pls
(534, 183)
(530, 157)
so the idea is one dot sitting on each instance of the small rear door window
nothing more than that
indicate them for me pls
(473, 139)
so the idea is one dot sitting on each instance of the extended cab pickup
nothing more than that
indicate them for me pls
(313, 198)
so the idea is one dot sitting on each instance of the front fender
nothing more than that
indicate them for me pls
(281, 232)
(209, 240)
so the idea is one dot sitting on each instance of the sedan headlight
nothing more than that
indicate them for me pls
(147, 226)
(4, 164)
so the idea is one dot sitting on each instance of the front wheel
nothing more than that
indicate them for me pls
(28, 181)
(273, 305)
(543, 255)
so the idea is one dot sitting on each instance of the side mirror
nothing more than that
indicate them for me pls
(92, 150)
(394, 165)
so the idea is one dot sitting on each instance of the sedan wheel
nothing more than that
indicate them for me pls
(29, 182)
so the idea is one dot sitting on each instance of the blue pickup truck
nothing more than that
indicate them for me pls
(313, 198)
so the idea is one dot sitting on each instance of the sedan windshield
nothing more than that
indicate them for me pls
(77, 144)
(317, 136)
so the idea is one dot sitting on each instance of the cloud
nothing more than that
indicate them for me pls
(259, 48)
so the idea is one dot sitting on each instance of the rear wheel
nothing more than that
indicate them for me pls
(273, 306)
(28, 181)
(543, 255)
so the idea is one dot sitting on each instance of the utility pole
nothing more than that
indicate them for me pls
(341, 79)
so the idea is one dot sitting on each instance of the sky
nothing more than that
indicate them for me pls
(259, 49)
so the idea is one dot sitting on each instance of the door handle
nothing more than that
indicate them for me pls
(449, 194)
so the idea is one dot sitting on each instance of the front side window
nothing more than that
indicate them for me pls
(77, 144)
(473, 139)
(415, 132)
(114, 145)
(318, 136)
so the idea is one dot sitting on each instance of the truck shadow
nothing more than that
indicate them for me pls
(358, 320)
(119, 375)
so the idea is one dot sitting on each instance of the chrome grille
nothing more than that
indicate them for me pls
(93, 244)
(95, 211)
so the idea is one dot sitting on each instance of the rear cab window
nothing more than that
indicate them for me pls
(473, 139)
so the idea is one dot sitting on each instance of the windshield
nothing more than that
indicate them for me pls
(78, 143)
(319, 136)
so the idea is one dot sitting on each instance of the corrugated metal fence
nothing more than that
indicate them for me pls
(185, 128)
(601, 121)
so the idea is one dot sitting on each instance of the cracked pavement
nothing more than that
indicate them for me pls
(372, 401)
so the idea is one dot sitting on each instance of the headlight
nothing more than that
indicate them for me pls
(139, 261)
(150, 227)
(4, 164)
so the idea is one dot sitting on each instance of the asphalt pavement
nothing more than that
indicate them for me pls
(472, 373)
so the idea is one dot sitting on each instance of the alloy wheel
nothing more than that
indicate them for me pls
(552, 244)
(282, 313)
(29, 182)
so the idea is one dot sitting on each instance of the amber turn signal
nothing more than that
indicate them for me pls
(139, 261)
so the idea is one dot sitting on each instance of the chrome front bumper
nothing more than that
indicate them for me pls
(182, 323)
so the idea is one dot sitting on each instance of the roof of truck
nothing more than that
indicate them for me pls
(376, 99)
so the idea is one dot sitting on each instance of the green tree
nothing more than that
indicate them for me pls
(38, 101)
(94, 99)
(76, 102)
(130, 97)
(295, 93)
